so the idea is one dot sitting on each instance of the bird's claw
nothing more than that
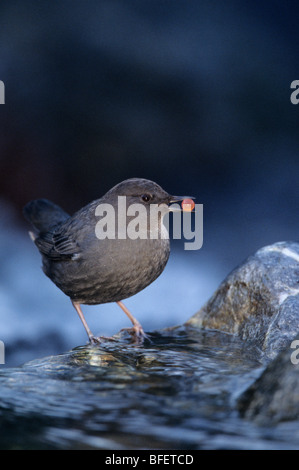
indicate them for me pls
(94, 340)
(137, 333)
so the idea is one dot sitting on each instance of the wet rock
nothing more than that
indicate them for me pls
(259, 300)
(274, 396)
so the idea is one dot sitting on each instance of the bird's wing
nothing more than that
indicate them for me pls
(58, 245)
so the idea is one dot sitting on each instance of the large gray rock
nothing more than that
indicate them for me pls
(274, 396)
(259, 300)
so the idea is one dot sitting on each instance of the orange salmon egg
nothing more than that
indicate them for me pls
(188, 205)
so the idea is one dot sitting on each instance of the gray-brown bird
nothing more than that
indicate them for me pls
(91, 269)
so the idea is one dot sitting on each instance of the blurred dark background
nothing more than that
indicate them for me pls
(194, 95)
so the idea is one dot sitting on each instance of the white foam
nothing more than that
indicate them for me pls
(288, 293)
(283, 250)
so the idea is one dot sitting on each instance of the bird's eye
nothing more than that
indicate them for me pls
(146, 197)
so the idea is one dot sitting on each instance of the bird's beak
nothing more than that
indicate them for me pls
(174, 199)
(179, 198)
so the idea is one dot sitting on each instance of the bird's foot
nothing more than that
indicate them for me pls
(137, 333)
(94, 340)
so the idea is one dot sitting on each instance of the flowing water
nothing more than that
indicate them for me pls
(177, 391)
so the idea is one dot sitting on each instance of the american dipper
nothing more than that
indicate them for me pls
(93, 268)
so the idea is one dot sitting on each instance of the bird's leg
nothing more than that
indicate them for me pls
(93, 339)
(137, 329)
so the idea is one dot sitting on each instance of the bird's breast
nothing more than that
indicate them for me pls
(111, 270)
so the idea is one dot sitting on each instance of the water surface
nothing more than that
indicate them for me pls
(177, 391)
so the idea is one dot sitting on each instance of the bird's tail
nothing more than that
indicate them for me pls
(43, 215)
